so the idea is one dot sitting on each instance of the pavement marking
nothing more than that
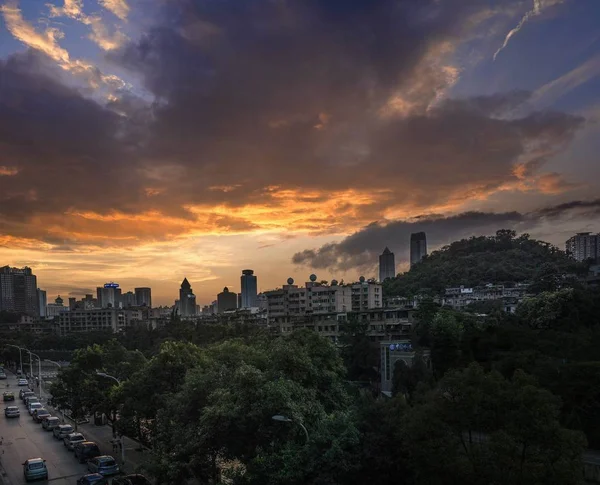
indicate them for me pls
(63, 477)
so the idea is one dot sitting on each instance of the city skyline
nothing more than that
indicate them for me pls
(146, 159)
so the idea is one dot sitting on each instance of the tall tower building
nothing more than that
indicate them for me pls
(226, 301)
(187, 299)
(42, 302)
(143, 297)
(387, 265)
(109, 296)
(249, 289)
(584, 245)
(418, 247)
(18, 291)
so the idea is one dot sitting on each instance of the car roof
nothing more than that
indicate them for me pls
(87, 443)
(55, 418)
(42, 410)
(12, 407)
(34, 460)
(63, 426)
(105, 457)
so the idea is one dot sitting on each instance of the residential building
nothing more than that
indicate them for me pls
(96, 319)
(584, 246)
(387, 265)
(42, 302)
(128, 299)
(366, 295)
(418, 247)
(54, 309)
(249, 286)
(143, 296)
(226, 301)
(391, 352)
(460, 297)
(18, 291)
(187, 300)
(72, 303)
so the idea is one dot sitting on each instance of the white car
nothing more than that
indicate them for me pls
(71, 440)
(32, 406)
(22, 382)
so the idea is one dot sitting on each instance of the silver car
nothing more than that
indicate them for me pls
(32, 406)
(71, 440)
(62, 430)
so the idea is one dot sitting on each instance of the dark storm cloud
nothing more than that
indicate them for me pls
(260, 94)
(361, 248)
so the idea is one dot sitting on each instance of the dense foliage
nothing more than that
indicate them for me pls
(503, 258)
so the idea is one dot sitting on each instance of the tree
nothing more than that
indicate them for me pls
(445, 335)
(478, 427)
(360, 356)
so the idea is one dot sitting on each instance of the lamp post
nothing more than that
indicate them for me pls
(60, 367)
(285, 419)
(108, 376)
(20, 355)
(39, 368)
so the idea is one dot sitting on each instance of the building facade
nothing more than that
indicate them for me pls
(366, 295)
(460, 297)
(143, 296)
(42, 302)
(109, 296)
(393, 351)
(387, 265)
(187, 300)
(249, 286)
(226, 301)
(584, 246)
(18, 291)
(418, 247)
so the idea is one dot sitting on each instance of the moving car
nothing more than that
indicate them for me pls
(11, 412)
(50, 423)
(39, 414)
(8, 396)
(33, 405)
(86, 450)
(92, 479)
(22, 382)
(63, 430)
(35, 469)
(104, 464)
(71, 440)
(134, 479)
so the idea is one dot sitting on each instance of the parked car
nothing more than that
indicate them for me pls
(86, 450)
(104, 464)
(71, 440)
(22, 391)
(33, 405)
(63, 430)
(19, 372)
(92, 479)
(35, 469)
(11, 412)
(27, 393)
(50, 423)
(22, 382)
(134, 479)
(32, 398)
(8, 396)
(3, 376)
(39, 414)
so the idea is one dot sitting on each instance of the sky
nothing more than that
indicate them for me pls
(146, 141)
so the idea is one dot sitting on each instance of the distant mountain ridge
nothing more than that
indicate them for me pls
(501, 259)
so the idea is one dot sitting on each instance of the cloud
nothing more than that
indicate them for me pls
(117, 7)
(359, 250)
(538, 7)
(8, 171)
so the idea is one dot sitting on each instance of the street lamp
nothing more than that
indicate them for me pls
(108, 376)
(285, 419)
(39, 368)
(20, 355)
(53, 362)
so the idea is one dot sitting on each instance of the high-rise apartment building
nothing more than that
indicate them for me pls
(418, 247)
(249, 289)
(187, 300)
(143, 297)
(128, 299)
(109, 296)
(583, 246)
(42, 302)
(18, 291)
(387, 265)
(226, 301)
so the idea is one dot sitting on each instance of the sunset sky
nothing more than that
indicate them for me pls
(142, 141)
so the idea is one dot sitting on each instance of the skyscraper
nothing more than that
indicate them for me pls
(418, 247)
(143, 297)
(226, 301)
(42, 302)
(584, 245)
(109, 296)
(249, 289)
(187, 299)
(387, 265)
(18, 291)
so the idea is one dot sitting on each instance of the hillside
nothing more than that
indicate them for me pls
(503, 258)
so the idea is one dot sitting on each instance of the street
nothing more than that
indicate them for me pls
(23, 439)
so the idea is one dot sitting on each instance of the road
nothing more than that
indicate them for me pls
(23, 439)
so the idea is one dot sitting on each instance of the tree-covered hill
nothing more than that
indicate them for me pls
(503, 258)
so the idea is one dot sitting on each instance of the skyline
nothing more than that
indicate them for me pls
(145, 142)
